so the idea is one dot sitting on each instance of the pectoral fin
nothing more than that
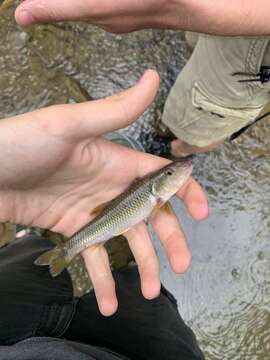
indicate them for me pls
(98, 210)
(94, 247)
(167, 208)
(161, 206)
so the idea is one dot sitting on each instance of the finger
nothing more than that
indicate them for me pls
(117, 111)
(97, 264)
(168, 229)
(98, 12)
(43, 11)
(85, 120)
(191, 192)
(195, 199)
(146, 259)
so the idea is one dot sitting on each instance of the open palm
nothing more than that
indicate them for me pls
(56, 168)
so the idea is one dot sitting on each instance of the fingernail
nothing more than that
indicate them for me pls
(146, 75)
(24, 17)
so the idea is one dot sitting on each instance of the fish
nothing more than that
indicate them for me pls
(144, 196)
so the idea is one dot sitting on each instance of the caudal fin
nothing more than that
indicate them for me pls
(55, 258)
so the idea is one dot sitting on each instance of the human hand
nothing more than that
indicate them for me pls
(115, 16)
(56, 168)
(206, 16)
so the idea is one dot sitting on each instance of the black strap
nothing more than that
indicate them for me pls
(263, 75)
(241, 131)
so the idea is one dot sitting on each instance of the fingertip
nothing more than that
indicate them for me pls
(151, 290)
(180, 263)
(23, 17)
(150, 280)
(108, 307)
(150, 81)
(199, 211)
(195, 199)
(149, 74)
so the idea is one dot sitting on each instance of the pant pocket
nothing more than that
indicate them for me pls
(55, 319)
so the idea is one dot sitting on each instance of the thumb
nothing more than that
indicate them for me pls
(117, 111)
(98, 117)
(30, 12)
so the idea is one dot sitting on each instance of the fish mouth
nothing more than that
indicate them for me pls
(186, 159)
(183, 170)
(185, 162)
(189, 168)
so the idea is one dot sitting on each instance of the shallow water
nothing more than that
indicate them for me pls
(225, 296)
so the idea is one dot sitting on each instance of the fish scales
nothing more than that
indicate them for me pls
(125, 211)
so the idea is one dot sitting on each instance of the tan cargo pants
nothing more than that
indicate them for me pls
(207, 104)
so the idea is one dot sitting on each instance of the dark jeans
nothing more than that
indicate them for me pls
(34, 304)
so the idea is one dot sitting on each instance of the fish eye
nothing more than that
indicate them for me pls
(169, 172)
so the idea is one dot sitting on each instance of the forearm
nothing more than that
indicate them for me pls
(223, 17)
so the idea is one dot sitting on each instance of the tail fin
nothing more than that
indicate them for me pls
(55, 258)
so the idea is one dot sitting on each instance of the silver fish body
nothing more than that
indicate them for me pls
(125, 211)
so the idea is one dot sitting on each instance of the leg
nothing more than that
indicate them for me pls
(141, 329)
(31, 302)
(207, 104)
(34, 304)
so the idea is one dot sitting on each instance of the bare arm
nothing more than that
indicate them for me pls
(227, 17)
